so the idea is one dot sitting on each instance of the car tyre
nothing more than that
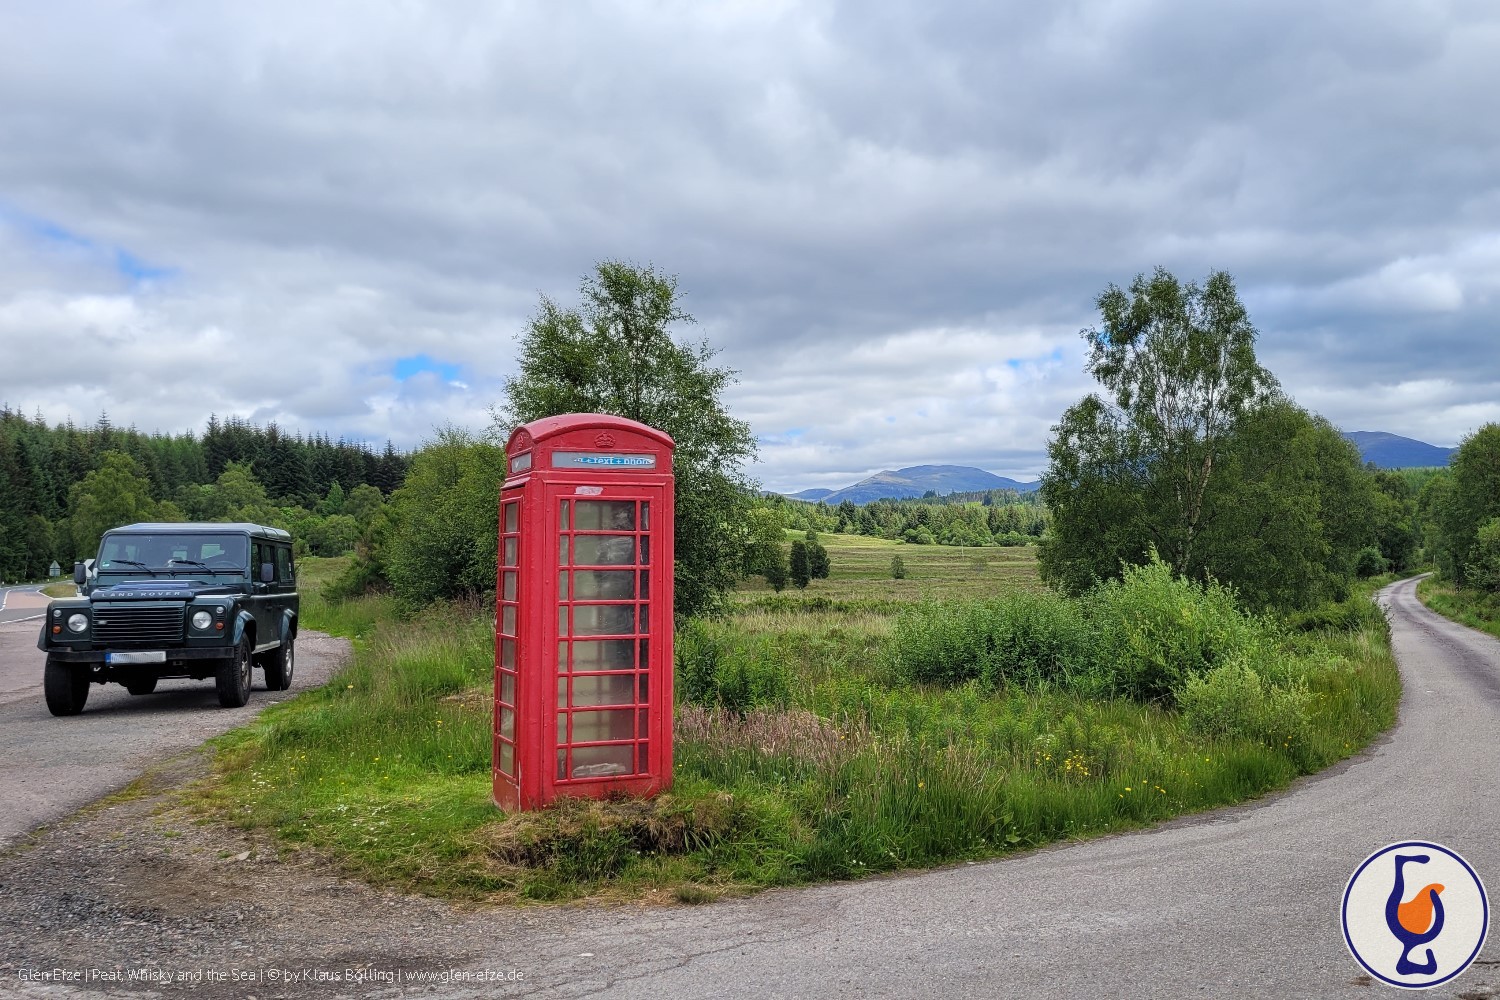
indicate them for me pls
(66, 687)
(141, 685)
(233, 676)
(279, 664)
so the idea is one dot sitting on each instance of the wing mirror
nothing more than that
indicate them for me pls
(80, 574)
(267, 572)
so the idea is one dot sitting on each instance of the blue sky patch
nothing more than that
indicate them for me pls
(126, 264)
(405, 368)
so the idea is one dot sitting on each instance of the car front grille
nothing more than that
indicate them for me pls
(136, 623)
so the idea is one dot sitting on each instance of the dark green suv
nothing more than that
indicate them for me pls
(175, 600)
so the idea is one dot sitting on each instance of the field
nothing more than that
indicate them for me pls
(809, 755)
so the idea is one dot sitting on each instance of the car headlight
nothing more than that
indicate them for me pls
(77, 623)
(202, 619)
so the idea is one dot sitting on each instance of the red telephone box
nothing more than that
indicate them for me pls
(583, 618)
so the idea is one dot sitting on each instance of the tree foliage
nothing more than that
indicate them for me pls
(616, 354)
(444, 528)
(1461, 504)
(1197, 456)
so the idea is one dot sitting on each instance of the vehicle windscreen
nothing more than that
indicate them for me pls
(178, 550)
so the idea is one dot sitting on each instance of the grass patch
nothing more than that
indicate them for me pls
(815, 752)
(1474, 608)
(60, 590)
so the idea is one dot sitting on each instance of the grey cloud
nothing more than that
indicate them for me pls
(345, 184)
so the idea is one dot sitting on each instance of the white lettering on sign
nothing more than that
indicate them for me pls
(601, 462)
(588, 491)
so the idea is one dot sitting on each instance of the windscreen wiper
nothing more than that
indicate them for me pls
(188, 562)
(136, 562)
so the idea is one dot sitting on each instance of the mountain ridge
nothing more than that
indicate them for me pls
(1385, 450)
(915, 481)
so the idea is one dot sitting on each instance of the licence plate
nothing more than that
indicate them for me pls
(159, 656)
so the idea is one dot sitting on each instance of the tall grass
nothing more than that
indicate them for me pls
(818, 742)
(1474, 608)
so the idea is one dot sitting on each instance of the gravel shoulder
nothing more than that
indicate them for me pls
(51, 766)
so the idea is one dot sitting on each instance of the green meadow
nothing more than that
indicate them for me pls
(865, 724)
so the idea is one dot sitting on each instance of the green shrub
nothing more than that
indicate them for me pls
(1022, 637)
(1233, 701)
(898, 568)
(1369, 562)
(1338, 616)
(1155, 631)
(736, 673)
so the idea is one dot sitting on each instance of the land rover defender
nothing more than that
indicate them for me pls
(175, 600)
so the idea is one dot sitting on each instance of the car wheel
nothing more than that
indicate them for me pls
(279, 665)
(66, 687)
(233, 677)
(141, 685)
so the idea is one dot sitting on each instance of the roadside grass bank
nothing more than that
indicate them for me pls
(60, 590)
(1474, 608)
(863, 725)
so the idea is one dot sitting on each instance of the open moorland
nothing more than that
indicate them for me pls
(864, 724)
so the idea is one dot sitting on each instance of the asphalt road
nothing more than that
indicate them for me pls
(49, 766)
(22, 603)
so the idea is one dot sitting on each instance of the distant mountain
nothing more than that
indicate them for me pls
(1391, 451)
(903, 484)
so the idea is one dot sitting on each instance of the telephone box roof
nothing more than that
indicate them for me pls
(550, 427)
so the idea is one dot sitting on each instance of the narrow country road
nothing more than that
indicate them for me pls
(1242, 902)
(49, 766)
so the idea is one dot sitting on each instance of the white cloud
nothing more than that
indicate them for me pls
(873, 207)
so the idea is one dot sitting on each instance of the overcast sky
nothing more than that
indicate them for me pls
(892, 218)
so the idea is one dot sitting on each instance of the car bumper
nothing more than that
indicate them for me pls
(168, 655)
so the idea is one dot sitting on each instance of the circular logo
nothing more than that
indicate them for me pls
(1415, 914)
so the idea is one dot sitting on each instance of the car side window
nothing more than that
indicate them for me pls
(284, 565)
(255, 564)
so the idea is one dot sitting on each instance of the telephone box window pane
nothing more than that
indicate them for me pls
(643, 759)
(641, 724)
(645, 688)
(508, 654)
(645, 660)
(562, 727)
(562, 585)
(603, 654)
(603, 550)
(510, 552)
(598, 726)
(507, 723)
(508, 620)
(562, 765)
(606, 690)
(507, 758)
(645, 550)
(645, 615)
(562, 621)
(645, 515)
(510, 518)
(507, 688)
(562, 551)
(645, 584)
(508, 593)
(602, 762)
(603, 619)
(562, 692)
(604, 515)
(563, 523)
(562, 657)
(603, 584)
